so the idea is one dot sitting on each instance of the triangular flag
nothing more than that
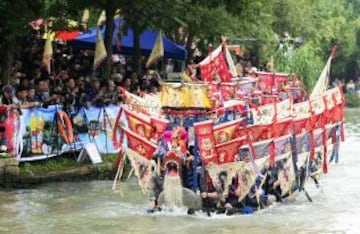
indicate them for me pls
(49, 34)
(322, 83)
(48, 52)
(85, 18)
(186, 78)
(100, 51)
(157, 51)
(230, 62)
(102, 18)
(117, 14)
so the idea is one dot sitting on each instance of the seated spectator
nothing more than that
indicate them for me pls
(69, 98)
(93, 92)
(8, 95)
(31, 94)
(42, 92)
(350, 86)
(111, 95)
(22, 94)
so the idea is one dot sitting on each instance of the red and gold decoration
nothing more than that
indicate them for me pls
(206, 141)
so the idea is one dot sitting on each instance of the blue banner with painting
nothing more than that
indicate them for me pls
(42, 137)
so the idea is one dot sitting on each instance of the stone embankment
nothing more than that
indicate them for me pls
(9, 171)
(12, 177)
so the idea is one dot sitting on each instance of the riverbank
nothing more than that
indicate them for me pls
(62, 169)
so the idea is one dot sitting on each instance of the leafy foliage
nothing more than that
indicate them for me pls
(303, 62)
(352, 100)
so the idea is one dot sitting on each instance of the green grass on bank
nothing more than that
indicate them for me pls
(352, 100)
(58, 163)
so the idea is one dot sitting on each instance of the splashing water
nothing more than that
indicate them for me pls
(173, 195)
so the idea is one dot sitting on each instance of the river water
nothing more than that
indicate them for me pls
(93, 207)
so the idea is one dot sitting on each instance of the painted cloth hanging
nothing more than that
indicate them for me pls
(226, 131)
(139, 123)
(206, 142)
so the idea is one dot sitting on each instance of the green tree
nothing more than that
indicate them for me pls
(14, 17)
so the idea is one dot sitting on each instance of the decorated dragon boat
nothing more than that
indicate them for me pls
(228, 142)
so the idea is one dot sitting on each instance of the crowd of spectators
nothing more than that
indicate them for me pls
(72, 81)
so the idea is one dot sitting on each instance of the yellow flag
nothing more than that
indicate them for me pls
(102, 18)
(186, 78)
(85, 18)
(117, 14)
(100, 51)
(157, 51)
(49, 34)
(48, 52)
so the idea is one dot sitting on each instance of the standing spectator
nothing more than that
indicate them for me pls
(350, 86)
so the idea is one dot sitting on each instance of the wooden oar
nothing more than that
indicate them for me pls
(119, 172)
(130, 173)
(258, 192)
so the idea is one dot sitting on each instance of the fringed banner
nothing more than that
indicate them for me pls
(139, 144)
(159, 126)
(249, 171)
(317, 105)
(302, 143)
(228, 150)
(196, 97)
(228, 90)
(283, 127)
(142, 168)
(226, 132)
(285, 173)
(302, 110)
(266, 114)
(206, 141)
(282, 145)
(213, 65)
(150, 104)
(140, 124)
(256, 132)
(184, 96)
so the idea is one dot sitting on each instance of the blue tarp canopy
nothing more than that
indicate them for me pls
(147, 40)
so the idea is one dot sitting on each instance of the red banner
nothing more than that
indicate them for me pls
(160, 126)
(282, 128)
(265, 81)
(256, 132)
(206, 142)
(227, 151)
(139, 144)
(217, 65)
(228, 90)
(225, 132)
(280, 80)
(139, 124)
